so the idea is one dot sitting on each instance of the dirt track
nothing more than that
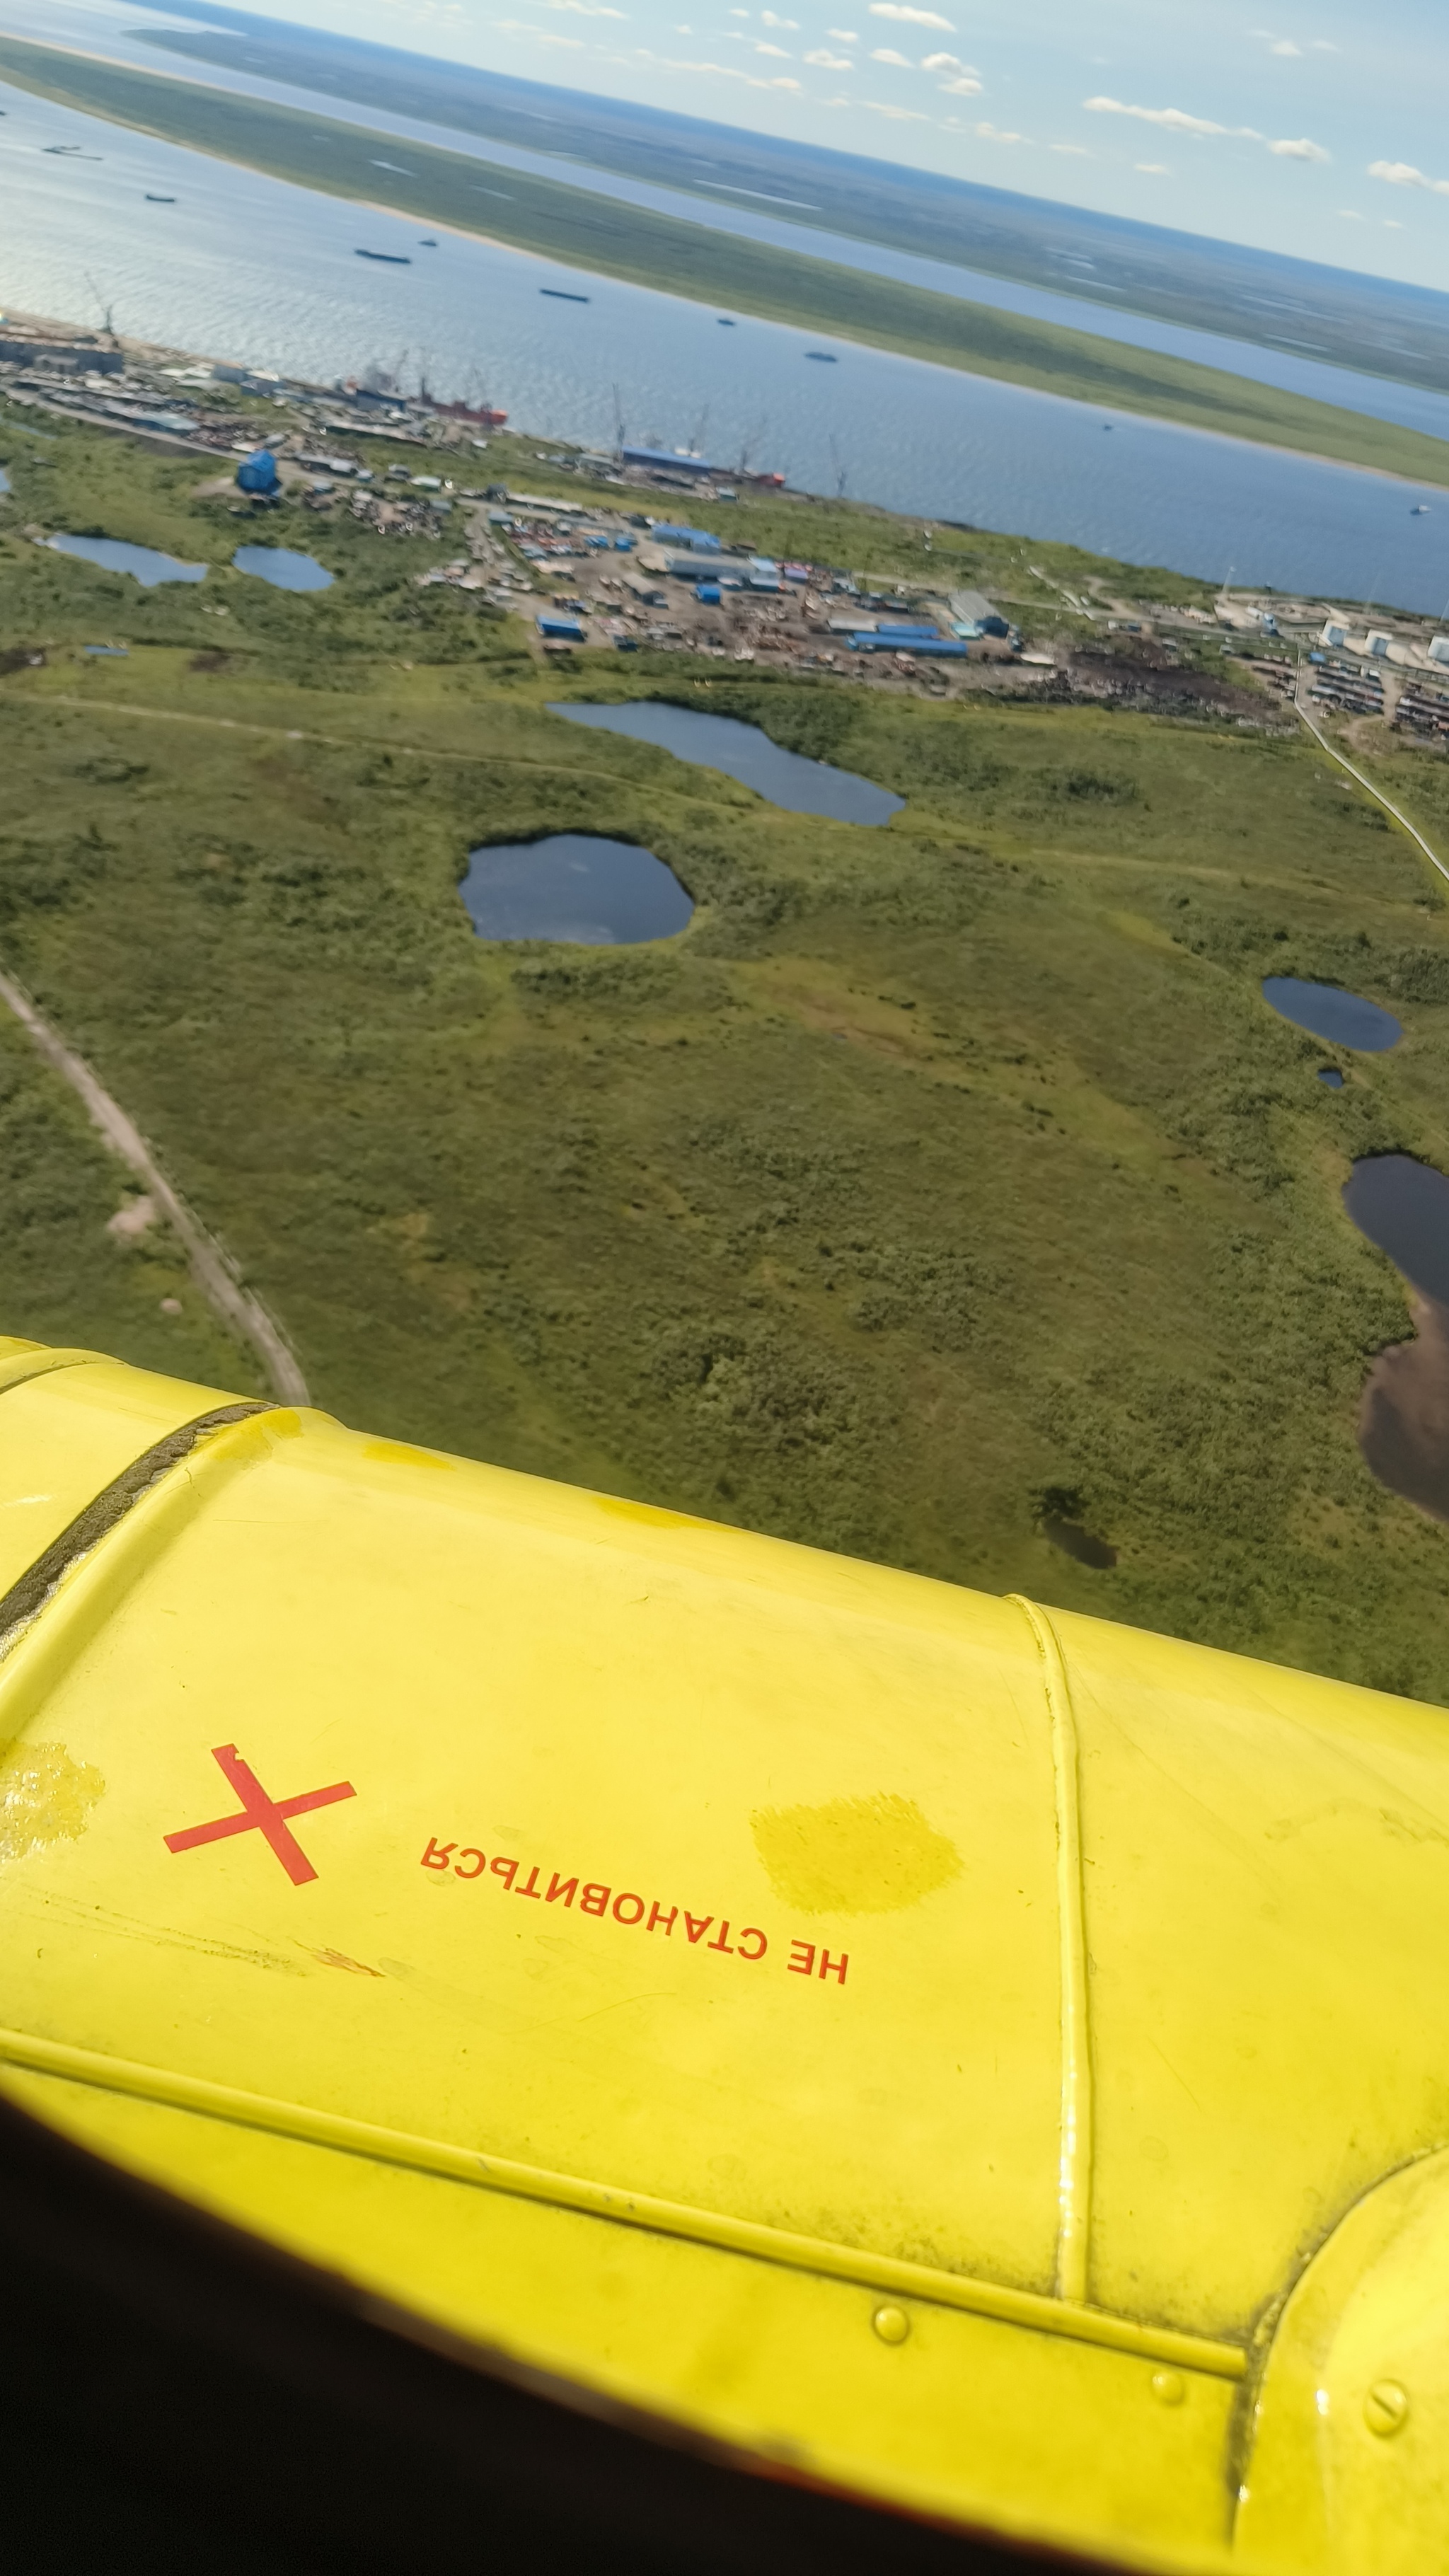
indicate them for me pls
(237, 1308)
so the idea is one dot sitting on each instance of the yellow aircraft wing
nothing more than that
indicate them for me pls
(989, 2063)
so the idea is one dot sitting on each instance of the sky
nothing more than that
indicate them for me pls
(1318, 130)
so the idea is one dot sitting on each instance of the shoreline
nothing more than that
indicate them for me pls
(763, 307)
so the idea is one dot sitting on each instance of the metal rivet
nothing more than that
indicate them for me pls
(1386, 2407)
(891, 2324)
(1169, 2387)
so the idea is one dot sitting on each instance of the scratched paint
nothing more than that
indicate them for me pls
(45, 1797)
(853, 1855)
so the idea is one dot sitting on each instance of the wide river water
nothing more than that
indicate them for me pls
(247, 267)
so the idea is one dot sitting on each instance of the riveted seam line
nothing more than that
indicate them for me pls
(1074, 2171)
(28, 1596)
(626, 2208)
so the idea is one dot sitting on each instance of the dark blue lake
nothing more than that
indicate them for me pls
(1403, 1207)
(744, 752)
(574, 886)
(283, 567)
(1326, 1011)
(143, 563)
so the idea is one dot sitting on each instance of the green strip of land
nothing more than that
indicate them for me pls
(594, 232)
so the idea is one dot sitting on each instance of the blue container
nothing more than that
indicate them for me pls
(258, 472)
(561, 630)
(623, 545)
(708, 591)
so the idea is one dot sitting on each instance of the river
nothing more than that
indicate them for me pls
(249, 267)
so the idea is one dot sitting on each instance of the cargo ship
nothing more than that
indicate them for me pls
(486, 415)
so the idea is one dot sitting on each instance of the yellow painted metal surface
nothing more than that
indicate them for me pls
(993, 2061)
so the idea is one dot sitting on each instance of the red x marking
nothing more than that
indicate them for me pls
(266, 1815)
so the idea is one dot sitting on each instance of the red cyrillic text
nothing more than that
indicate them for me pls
(631, 1911)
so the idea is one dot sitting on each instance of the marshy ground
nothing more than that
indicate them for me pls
(938, 1181)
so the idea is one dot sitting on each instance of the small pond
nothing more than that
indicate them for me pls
(1330, 1074)
(1403, 1207)
(283, 567)
(745, 752)
(114, 554)
(574, 886)
(1082, 1545)
(1326, 1011)
(4, 480)
(1403, 1428)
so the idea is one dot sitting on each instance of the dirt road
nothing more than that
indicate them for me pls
(237, 1308)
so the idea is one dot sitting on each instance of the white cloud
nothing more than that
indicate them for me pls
(830, 62)
(1349, 216)
(1286, 49)
(1402, 174)
(739, 13)
(776, 51)
(883, 54)
(1392, 225)
(1079, 150)
(769, 19)
(843, 35)
(584, 9)
(1153, 169)
(1175, 118)
(716, 71)
(1302, 150)
(965, 87)
(906, 16)
(540, 35)
(902, 115)
(993, 134)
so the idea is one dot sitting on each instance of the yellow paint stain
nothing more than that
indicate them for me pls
(652, 1515)
(398, 1453)
(854, 1855)
(45, 1797)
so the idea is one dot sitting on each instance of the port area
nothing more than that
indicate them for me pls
(656, 552)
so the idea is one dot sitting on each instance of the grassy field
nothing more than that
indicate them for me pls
(937, 1178)
(593, 232)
